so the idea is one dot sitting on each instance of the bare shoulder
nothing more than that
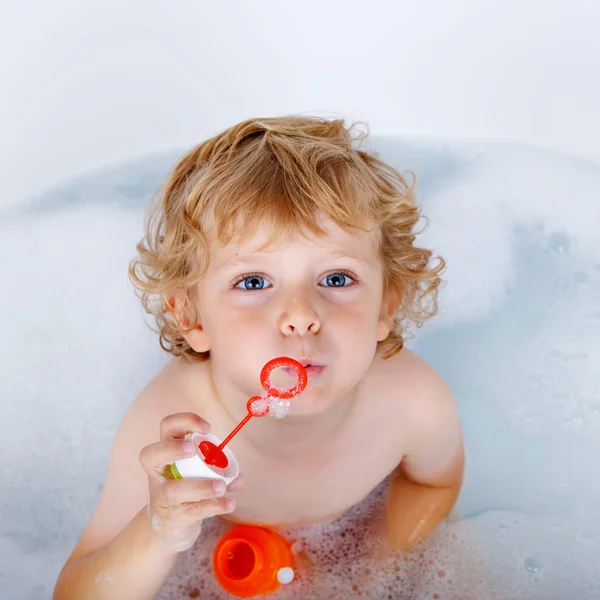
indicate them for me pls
(424, 404)
(412, 393)
(432, 398)
(409, 383)
(126, 485)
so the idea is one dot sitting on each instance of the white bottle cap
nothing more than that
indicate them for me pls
(195, 467)
(285, 575)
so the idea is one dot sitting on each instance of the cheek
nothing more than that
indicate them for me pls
(359, 318)
(361, 329)
(233, 323)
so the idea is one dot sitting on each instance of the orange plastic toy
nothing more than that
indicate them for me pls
(250, 560)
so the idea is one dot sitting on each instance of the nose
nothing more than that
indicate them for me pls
(298, 317)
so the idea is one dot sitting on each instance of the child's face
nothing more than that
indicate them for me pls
(318, 299)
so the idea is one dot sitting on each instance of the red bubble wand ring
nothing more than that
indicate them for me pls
(213, 454)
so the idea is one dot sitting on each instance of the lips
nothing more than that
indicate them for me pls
(311, 370)
(308, 362)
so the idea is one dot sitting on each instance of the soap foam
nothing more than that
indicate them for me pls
(278, 409)
(260, 405)
(349, 558)
(102, 578)
(516, 339)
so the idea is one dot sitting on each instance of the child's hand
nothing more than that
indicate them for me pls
(176, 508)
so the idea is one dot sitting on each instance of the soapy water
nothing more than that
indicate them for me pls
(348, 559)
(516, 339)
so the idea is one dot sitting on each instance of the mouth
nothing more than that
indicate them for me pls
(307, 362)
(312, 369)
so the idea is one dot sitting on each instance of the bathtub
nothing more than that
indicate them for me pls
(516, 339)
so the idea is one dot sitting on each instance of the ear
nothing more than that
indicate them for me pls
(386, 319)
(384, 327)
(196, 338)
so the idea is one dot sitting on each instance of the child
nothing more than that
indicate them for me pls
(277, 237)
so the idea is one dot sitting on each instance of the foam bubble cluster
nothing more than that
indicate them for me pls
(274, 407)
(260, 406)
(278, 409)
(349, 558)
(516, 339)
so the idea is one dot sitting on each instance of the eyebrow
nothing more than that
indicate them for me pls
(254, 257)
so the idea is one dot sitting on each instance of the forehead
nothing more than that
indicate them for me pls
(265, 239)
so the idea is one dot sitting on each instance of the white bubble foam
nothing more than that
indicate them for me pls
(349, 559)
(279, 408)
(102, 578)
(516, 339)
(156, 522)
(259, 406)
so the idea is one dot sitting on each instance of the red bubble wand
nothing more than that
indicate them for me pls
(213, 454)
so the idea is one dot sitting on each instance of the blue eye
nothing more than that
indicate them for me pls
(337, 279)
(254, 281)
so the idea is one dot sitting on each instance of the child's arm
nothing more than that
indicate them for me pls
(132, 540)
(117, 554)
(426, 484)
(133, 566)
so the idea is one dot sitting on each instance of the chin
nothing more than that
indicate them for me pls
(308, 405)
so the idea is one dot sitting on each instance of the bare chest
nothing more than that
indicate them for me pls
(322, 482)
(313, 488)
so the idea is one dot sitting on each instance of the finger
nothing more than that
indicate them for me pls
(236, 484)
(155, 457)
(180, 424)
(204, 509)
(190, 490)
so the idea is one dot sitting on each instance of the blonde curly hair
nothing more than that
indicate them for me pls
(280, 171)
